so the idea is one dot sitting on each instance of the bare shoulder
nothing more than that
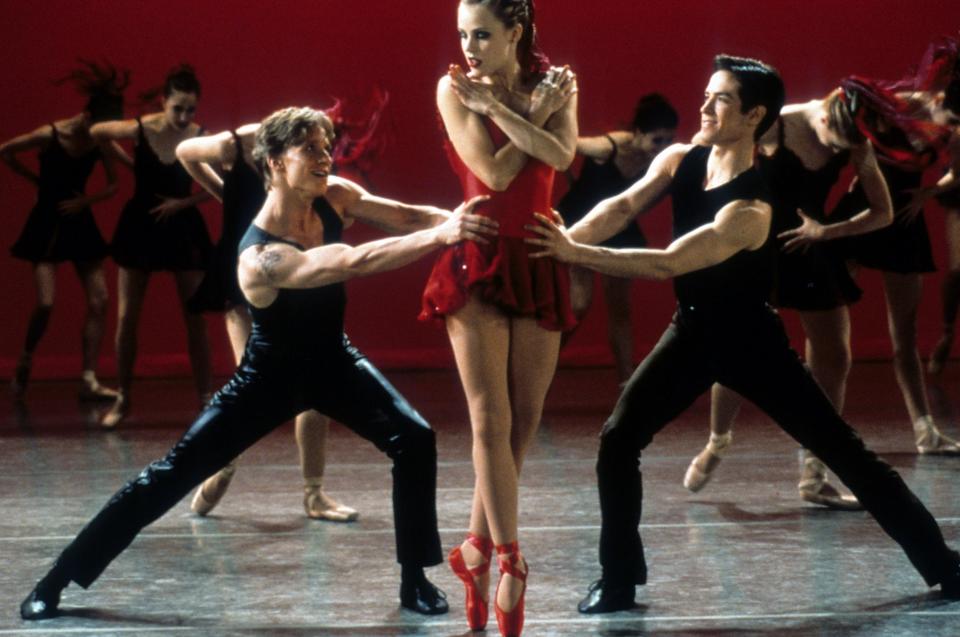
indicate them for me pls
(669, 158)
(248, 131)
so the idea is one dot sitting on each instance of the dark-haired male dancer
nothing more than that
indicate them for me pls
(291, 270)
(723, 331)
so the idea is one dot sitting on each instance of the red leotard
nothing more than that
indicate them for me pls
(501, 271)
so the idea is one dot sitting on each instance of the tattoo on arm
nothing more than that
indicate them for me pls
(267, 262)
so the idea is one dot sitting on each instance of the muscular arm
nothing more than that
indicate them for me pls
(740, 225)
(30, 141)
(391, 216)
(199, 156)
(263, 270)
(612, 215)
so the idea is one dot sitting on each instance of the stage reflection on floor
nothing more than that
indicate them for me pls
(743, 557)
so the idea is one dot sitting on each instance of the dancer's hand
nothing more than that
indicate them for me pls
(918, 196)
(169, 206)
(476, 96)
(464, 224)
(553, 240)
(803, 236)
(73, 205)
(553, 91)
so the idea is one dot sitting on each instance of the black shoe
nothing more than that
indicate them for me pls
(41, 603)
(421, 596)
(950, 585)
(606, 598)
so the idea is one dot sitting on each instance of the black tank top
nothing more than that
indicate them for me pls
(243, 196)
(744, 280)
(596, 183)
(792, 185)
(152, 177)
(300, 323)
(61, 174)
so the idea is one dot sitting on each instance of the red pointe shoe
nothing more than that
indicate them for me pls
(509, 559)
(477, 607)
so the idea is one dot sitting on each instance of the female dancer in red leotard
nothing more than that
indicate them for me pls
(511, 123)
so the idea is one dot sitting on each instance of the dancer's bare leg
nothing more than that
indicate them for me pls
(198, 345)
(903, 292)
(724, 407)
(949, 292)
(581, 291)
(481, 337)
(95, 289)
(44, 277)
(616, 292)
(312, 428)
(131, 290)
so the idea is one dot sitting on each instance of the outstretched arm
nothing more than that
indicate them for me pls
(30, 141)
(107, 134)
(265, 269)
(612, 215)
(740, 225)
(389, 215)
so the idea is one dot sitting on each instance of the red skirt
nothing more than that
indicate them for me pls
(503, 274)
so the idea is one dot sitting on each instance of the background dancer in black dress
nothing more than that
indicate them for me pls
(612, 163)
(722, 262)
(160, 229)
(291, 271)
(906, 147)
(61, 226)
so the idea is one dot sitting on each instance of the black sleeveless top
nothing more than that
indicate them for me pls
(63, 176)
(243, 196)
(153, 178)
(792, 185)
(302, 323)
(745, 279)
(596, 183)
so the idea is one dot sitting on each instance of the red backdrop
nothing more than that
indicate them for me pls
(253, 57)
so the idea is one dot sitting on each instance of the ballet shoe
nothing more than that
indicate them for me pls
(320, 506)
(116, 414)
(603, 597)
(931, 441)
(704, 463)
(421, 596)
(510, 622)
(92, 391)
(814, 487)
(940, 354)
(212, 490)
(43, 600)
(477, 608)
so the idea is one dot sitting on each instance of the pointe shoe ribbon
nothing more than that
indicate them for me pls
(477, 608)
(320, 506)
(510, 621)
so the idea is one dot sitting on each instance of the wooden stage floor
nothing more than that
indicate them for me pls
(743, 557)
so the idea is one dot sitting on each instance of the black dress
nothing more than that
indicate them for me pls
(243, 196)
(52, 236)
(596, 183)
(141, 241)
(904, 245)
(817, 278)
